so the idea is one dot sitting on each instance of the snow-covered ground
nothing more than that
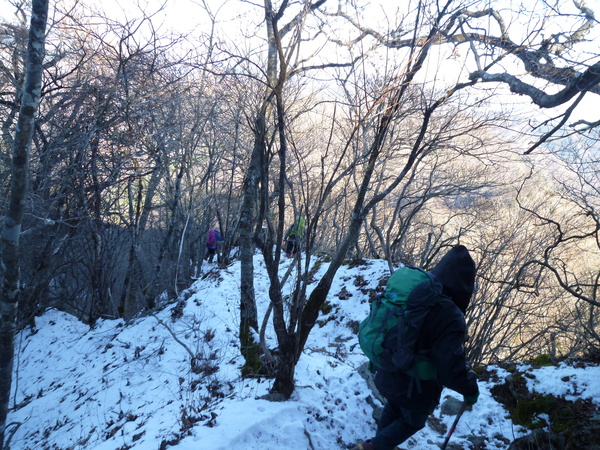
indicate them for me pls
(131, 385)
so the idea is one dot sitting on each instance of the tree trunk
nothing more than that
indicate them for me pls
(250, 347)
(11, 230)
(286, 366)
(168, 242)
(248, 313)
(99, 293)
(133, 275)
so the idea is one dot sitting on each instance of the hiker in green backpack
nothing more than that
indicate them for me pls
(294, 236)
(413, 394)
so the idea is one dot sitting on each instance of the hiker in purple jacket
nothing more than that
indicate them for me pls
(212, 237)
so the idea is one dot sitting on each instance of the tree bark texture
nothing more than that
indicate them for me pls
(11, 230)
(248, 313)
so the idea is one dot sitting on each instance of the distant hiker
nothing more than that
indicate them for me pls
(212, 237)
(294, 236)
(439, 356)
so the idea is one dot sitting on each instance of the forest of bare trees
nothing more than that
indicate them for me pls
(396, 131)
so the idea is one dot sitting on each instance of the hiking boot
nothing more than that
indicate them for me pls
(364, 446)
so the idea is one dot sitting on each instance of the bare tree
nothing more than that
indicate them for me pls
(11, 229)
(554, 49)
(570, 257)
(360, 163)
(278, 71)
(121, 124)
(433, 25)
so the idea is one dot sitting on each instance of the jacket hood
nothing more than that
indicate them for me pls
(456, 271)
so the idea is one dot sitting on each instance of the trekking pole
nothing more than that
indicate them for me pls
(460, 413)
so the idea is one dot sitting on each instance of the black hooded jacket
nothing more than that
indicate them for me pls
(442, 336)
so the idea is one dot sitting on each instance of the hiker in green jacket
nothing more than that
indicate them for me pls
(410, 401)
(294, 236)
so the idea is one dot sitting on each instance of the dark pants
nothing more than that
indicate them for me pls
(292, 246)
(210, 254)
(396, 425)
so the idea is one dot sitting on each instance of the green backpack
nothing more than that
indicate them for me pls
(410, 294)
(298, 228)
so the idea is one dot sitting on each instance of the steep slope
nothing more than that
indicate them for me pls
(171, 380)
